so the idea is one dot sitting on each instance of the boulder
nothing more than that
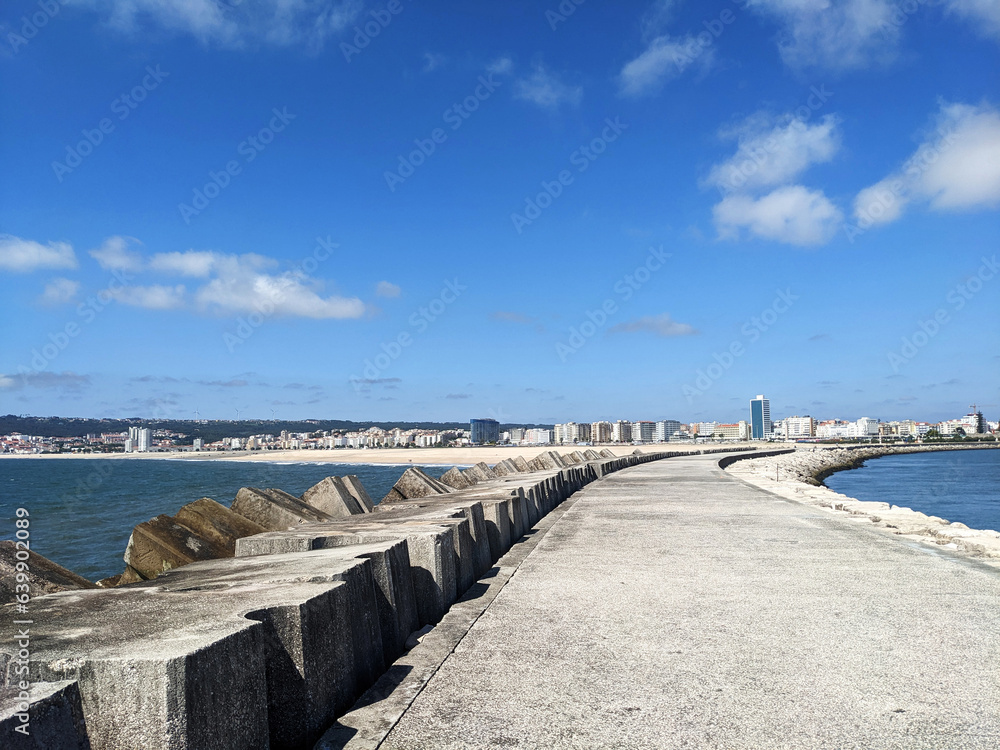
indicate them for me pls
(331, 496)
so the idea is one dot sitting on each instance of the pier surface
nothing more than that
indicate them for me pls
(674, 606)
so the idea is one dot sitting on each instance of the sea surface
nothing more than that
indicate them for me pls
(82, 511)
(959, 486)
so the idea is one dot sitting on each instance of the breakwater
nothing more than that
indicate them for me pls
(267, 647)
(799, 476)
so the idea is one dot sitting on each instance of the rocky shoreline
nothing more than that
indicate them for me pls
(799, 476)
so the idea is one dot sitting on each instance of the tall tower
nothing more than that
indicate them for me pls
(760, 418)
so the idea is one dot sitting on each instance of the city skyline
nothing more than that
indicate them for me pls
(342, 210)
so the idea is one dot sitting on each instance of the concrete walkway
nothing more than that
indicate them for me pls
(673, 606)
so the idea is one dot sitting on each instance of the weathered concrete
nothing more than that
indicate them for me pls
(54, 713)
(359, 492)
(415, 483)
(274, 509)
(674, 606)
(161, 544)
(42, 575)
(521, 464)
(455, 478)
(217, 523)
(332, 496)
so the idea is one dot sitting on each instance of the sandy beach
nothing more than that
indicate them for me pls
(400, 456)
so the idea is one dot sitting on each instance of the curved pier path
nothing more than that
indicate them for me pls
(673, 606)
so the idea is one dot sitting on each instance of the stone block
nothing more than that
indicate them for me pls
(358, 491)
(54, 713)
(275, 509)
(44, 576)
(415, 483)
(521, 464)
(456, 479)
(217, 523)
(331, 496)
(160, 544)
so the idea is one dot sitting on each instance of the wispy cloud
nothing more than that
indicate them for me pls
(387, 289)
(664, 59)
(22, 256)
(459, 396)
(546, 90)
(115, 254)
(155, 297)
(661, 325)
(59, 291)
(308, 23)
(956, 167)
(67, 381)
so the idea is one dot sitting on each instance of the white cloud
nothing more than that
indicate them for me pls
(240, 286)
(957, 167)
(387, 289)
(791, 214)
(155, 297)
(773, 152)
(665, 59)
(500, 66)
(546, 90)
(21, 256)
(845, 34)
(114, 254)
(662, 325)
(59, 291)
(197, 263)
(233, 23)
(984, 14)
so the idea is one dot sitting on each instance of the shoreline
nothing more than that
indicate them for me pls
(377, 456)
(793, 476)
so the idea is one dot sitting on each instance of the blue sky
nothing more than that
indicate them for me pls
(637, 210)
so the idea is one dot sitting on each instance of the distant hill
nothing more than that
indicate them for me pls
(209, 430)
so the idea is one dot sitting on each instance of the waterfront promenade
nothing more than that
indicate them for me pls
(673, 606)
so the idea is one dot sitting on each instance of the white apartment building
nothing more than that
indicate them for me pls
(643, 432)
(799, 427)
(665, 430)
(621, 432)
(600, 432)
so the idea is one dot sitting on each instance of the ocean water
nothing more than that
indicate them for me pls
(959, 486)
(83, 510)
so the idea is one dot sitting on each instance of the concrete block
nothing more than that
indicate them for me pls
(578, 457)
(496, 514)
(607, 453)
(591, 455)
(475, 474)
(415, 483)
(538, 464)
(160, 544)
(500, 469)
(54, 713)
(521, 464)
(455, 478)
(275, 509)
(485, 468)
(359, 492)
(217, 523)
(44, 576)
(331, 496)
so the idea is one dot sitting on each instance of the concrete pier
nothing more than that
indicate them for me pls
(671, 605)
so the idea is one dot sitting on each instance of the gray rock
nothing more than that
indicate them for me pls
(332, 496)
(44, 576)
(275, 509)
(456, 479)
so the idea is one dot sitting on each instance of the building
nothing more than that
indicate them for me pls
(571, 433)
(484, 431)
(600, 432)
(643, 432)
(665, 430)
(536, 436)
(865, 427)
(621, 432)
(704, 429)
(198, 444)
(797, 428)
(737, 431)
(760, 418)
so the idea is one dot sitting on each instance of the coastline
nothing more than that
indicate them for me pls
(798, 477)
(376, 456)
